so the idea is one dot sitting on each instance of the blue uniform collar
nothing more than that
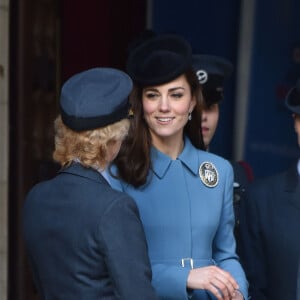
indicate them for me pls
(189, 157)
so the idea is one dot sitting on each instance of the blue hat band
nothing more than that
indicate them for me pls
(90, 123)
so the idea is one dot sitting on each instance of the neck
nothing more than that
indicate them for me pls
(169, 147)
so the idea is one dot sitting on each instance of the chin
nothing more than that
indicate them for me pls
(206, 141)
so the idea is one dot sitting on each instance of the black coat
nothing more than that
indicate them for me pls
(298, 283)
(270, 227)
(242, 178)
(85, 240)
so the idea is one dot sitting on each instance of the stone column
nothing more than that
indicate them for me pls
(4, 78)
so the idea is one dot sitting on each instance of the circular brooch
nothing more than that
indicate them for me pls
(208, 174)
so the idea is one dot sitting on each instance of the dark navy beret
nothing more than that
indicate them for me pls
(95, 98)
(212, 71)
(159, 59)
(292, 100)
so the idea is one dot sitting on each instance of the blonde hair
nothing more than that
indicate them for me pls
(91, 147)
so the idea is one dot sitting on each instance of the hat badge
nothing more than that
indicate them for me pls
(208, 174)
(202, 76)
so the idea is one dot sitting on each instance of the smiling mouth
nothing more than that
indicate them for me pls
(164, 120)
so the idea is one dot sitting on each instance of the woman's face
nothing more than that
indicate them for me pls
(166, 108)
(209, 122)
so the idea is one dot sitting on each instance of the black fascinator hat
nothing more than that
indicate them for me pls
(159, 59)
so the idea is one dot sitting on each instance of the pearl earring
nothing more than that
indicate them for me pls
(190, 116)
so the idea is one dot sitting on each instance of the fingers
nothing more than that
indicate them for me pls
(225, 283)
(238, 296)
(213, 279)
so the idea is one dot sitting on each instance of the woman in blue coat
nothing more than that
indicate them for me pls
(183, 193)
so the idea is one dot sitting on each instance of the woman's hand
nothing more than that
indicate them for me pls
(238, 296)
(215, 280)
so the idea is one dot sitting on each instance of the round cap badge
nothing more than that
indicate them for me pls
(208, 174)
(202, 76)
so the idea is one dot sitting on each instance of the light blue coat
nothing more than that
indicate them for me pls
(183, 218)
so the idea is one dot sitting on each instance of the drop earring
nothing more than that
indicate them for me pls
(190, 116)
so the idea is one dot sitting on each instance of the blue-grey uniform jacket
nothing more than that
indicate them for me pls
(85, 240)
(188, 221)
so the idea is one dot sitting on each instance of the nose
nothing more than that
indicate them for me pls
(203, 116)
(164, 104)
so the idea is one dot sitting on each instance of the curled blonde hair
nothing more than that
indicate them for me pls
(92, 147)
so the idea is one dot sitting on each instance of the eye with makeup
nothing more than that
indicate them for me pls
(177, 95)
(151, 95)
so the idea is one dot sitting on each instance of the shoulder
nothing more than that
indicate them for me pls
(268, 181)
(191, 152)
(39, 189)
(266, 189)
(120, 203)
(93, 195)
(111, 198)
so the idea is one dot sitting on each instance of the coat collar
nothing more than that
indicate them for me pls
(79, 170)
(161, 162)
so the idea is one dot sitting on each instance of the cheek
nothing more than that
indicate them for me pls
(217, 118)
(213, 118)
(181, 109)
(148, 107)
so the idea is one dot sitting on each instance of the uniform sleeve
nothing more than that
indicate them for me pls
(224, 246)
(125, 248)
(252, 254)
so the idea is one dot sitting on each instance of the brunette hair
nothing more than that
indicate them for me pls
(91, 147)
(134, 161)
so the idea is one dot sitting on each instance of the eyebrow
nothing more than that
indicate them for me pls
(169, 90)
(176, 88)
